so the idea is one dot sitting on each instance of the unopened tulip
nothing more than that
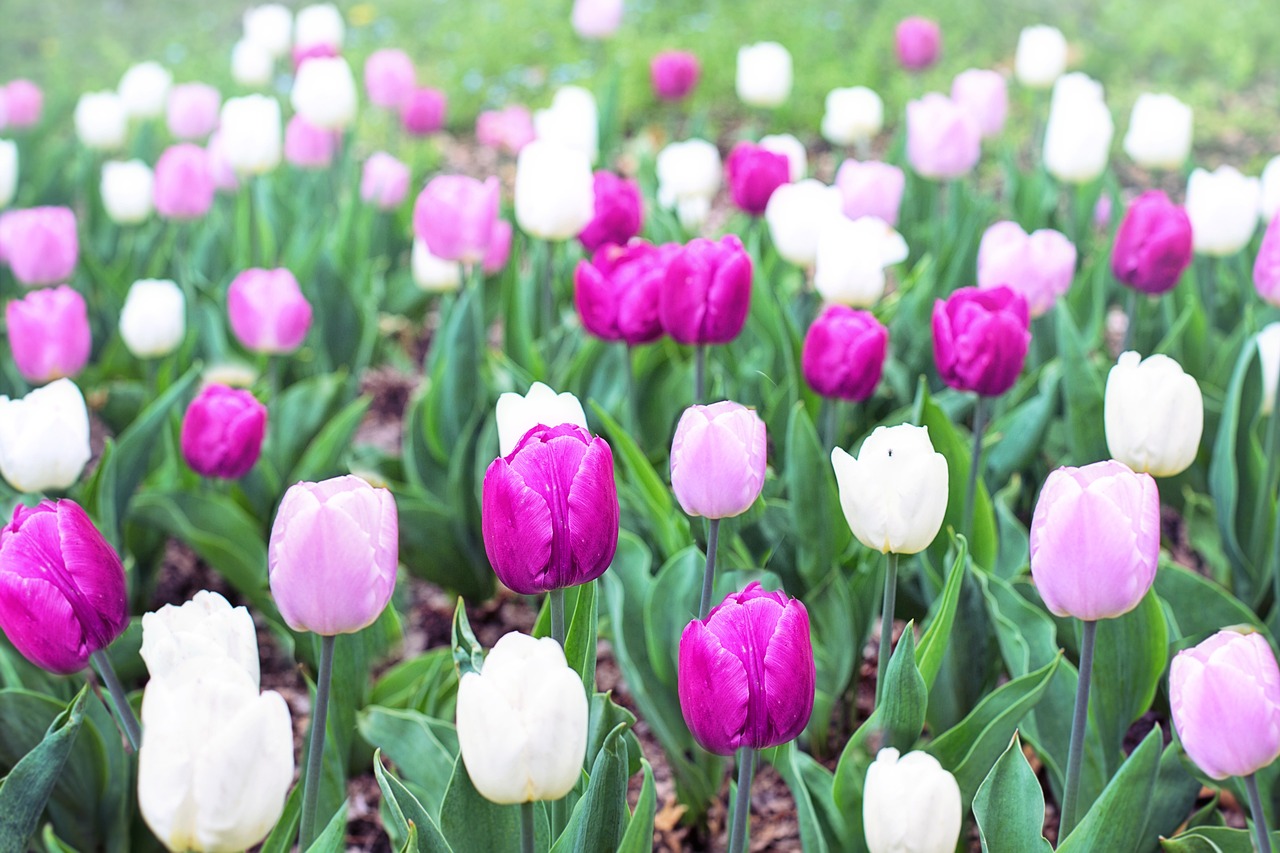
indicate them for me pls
(268, 312)
(8, 171)
(101, 121)
(1269, 361)
(852, 116)
(128, 191)
(918, 42)
(433, 274)
(271, 26)
(707, 291)
(23, 102)
(384, 181)
(871, 188)
(618, 293)
(319, 24)
(522, 722)
(572, 120)
(454, 215)
(184, 182)
(515, 414)
(204, 628)
(41, 245)
(1154, 415)
(154, 318)
(324, 93)
(791, 148)
(250, 134)
(422, 111)
(549, 510)
(796, 214)
(746, 673)
(852, 257)
(596, 19)
(62, 587)
(980, 338)
(554, 192)
(718, 459)
(986, 97)
(44, 437)
(1040, 266)
(508, 129)
(1159, 135)
(1153, 244)
(689, 175)
(894, 493)
(1041, 56)
(499, 251)
(944, 141)
(49, 334)
(251, 64)
(1077, 137)
(192, 112)
(764, 75)
(619, 212)
(389, 77)
(754, 173)
(1223, 208)
(910, 804)
(144, 89)
(222, 432)
(844, 352)
(674, 74)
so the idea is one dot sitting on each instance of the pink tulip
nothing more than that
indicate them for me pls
(706, 293)
(23, 102)
(718, 459)
(619, 212)
(495, 257)
(41, 245)
(674, 74)
(1040, 266)
(49, 334)
(980, 339)
(871, 188)
(1266, 267)
(268, 312)
(389, 77)
(844, 352)
(224, 174)
(422, 112)
(618, 293)
(986, 97)
(192, 111)
(384, 182)
(943, 139)
(508, 129)
(183, 183)
(596, 19)
(754, 172)
(918, 42)
(454, 215)
(1153, 244)
(307, 146)
(222, 432)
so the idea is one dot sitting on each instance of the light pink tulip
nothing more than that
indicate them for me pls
(943, 139)
(718, 459)
(389, 77)
(41, 245)
(49, 334)
(268, 312)
(183, 184)
(454, 215)
(384, 182)
(1040, 266)
(871, 188)
(192, 111)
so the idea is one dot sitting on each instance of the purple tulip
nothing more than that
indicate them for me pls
(454, 215)
(41, 245)
(389, 77)
(1095, 540)
(192, 110)
(674, 74)
(871, 188)
(268, 312)
(384, 182)
(1153, 244)
(499, 251)
(422, 112)
(549, 511)
(333, 555)
(307, 146)
(1266, 267)
(754, 172)
(23, 103)
(844, 353)
(618, 293)
(222, 432)
(718, 459)
(62, 587)
(508, 129)
(980, 339)
(183, 183)
(49, 334)
(943, 139)
(619, 212)
(918, 42)
(985, 94)
(1040, 266)
(746, 673)
(706, 293)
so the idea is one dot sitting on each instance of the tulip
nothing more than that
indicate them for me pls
(192, 111)
(980, 339)
(871, 188)
(23, 103)
(764, 75)
(8, 171)
(944, 141)
(796, 214)
(516, 415)
(707, 292)
(303, 54)
(62, 588)
(101, 121)
(324, 93)
(433, 274)
(572, 121)
(918, 42)
(1269, 361)
(791, 148)
(986, 97)
(222, 432)
(1266, 267)
(508, 129)
(1041, 56)
(320, 24)
(910, 804)
(674, 74)
(44, 437)
(596, 19)
(389, 77)
(1270, 185)
(270, 26)
(522, 722)
(554, 191)
(754, 173)
(852, 116)
(251, 64)
(1040, 266)
(618, 293)
(184, 186)
(1223, 208)
(249, 134)
(851, 259)
(41, 245)
(495, 257)
(144, 89)
(689, 176)
(224, 174)
(154, 318)
(454, 215)
(549, 511)
(1077, 138)
(206, 628)
(128, 191)
(718, 460)
(268, 312)
(422, 112)
(1154, 415)
(384, 181)
(1153, 244)
(619, 212)
(844, 352)
(49, 334)
(1159, 134)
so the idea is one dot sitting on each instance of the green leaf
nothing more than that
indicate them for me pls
(424, 749)
(426, 683)
(839, 621)
(821, 532)
(468, 655)
(455, 391)
(285, 834)
(581, 636)
(1200, 606)
(933, 643)
(470, 822)
(639, 834)
(431, 549)
(323, 455)
(333, 838)
(905, 696)
(298, 414)
(1172, 799)
(407, 813)
(27, 787)
(1116, 819)
(1211, 839)
(1082, 393)
(603, 717)
(1009, 806)
(671, 604)
(1132, 653)
(599, 820)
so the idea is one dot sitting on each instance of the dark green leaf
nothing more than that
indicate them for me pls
(1009, 806)
(27, 787)
(1116, 819)
(905, 696)
(406, 813)
(424, 749)
(639, 834)
(599, 820)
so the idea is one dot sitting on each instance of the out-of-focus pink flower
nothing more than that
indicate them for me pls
(307, 146)
(454, 215)
(302, 53)
(41, 245)
(918, 42)
(184, 185)
(943, 140)
(1040, 266)
(268, 312)
(384, 182)
(422, 111)
(871, 188)
(23, 103)
(985, 95)
(192, 110)
(222, 432)
(49, 334)
(499, 251)
(619, 212)
(389, 77)
(508, 129)
(674, 74)
(980, 339)
(619, 292)
(754, 172)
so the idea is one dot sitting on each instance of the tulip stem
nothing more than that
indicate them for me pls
(886, 621)
(709, 574)
(699, 374)
(1079, 720)
(315, 751)
(124, 711)
(975, 465)
(1132, 313)
(1261, 838)
(555, 597)
(526, 827)
(831, 422)
(548, 294)
(742, 804)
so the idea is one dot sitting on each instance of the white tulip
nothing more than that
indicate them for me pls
(764, 74)
(1223, 208)
(251, 64)
(154, 318)
(910, 804)
(852, 116)
(1154, 415)
(320, 24)
(1077, 138)
(791, 148)
(8, 171)
(44, 437)
(1159, 135)
(689, 175)
(796, 214)
(432, 274)
(851, 259)
(101, 121)
(206, 627)
(517, 414)
(572, 121)
(1270, 204)
(216, 759)
(144, 89)
(522, 722)
(271, 27)
(324, 93)
(250, 135)
(555, 191)
(1269, 358)
(1041, 57)
(894, 493)
(127, 191)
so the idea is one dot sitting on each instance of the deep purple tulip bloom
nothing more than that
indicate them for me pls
(549, 510)
(222, 432)
(706, 293)
(1153, 244)
(844, 353)
(455, 214)
(754, 172)
(62, 587)
(41, 245)
(674, 74)
(619, 212)
(619, 292)
(746, 674)
(918, 42)
(980, 339)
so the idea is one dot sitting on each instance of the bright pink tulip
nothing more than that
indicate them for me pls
(1266, 267)
(718, 459)
(844, 352)
(454, 215)
(943, 139)
(307, 146)
(674, 74)
(985, 95)
(918, 42)
(23, 103)
(499, 251)
(871, 188)
(706, 293)
(1153, 244)
(1040, 266)
(980, 339)
(619, 212)
(384, 183)
(754, 172)
(184, 185)
(268, 312)
(192, 111)
(222, 432)
(41, 245)
(422, 112)
(508, 129)
(389, 77)
(618, 293)
(49, 334)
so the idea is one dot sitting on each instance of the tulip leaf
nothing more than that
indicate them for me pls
(333, 838)
(1019, 434)
(470, 822)
(840, 616)
(671, 604)
(424, 749)
(1200, 606)
(581, 636)
(905, 695)
(599, 820)
(426, 683)
(934, 641)
(823, 826)
(1082, 393)
(409, 820)
(1214, 839)
(1173, 798)
(455, 391)
(639, 835)
(1116, 819)
(468, 655)
(605, 715)
(431, 549)
(285, 834)
(299, 413)
(820, 530)
(1009, 806)
(323, 456)
(27, 787)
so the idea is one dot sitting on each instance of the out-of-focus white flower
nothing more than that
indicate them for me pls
(853, 116)
(1222, 206)
(796, 214)
(251, 64)
(1159, 135)
(127, 191)
(324, 93)
(44, 437)
(689, 175)
(8, 171)
(432, 274)
(1077, 139)
(555, 190)
(791, 148)
(572, 121)
(271, 26)
(764, 74)
(144, 89)
(154, 318)
(1154, 415)
(851, 259)
(101, 121)
(320, 24)
(250, 134)
(1041, 57)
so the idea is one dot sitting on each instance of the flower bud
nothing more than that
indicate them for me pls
(515, 415)
(433, 274)
(41, 245)
(249, 134)
(422, 111)
(852, 116)
(319, 24)
(1153, 244)
(389, 77)
(8, 172)
(222, 432)
(144, 89)
(205, 628)
(596, 19)
(1077, 137)
(852, 257)
(554, 192)
(324, 93)
(918, 41)
(718, 459)
(1040, 266)
(707, 291)
(384, 181)
(572, 120)
(183, 182)
(985, 96)
(270, 26)
(128, 191)
(618, 293)
(764, 75)
(154, 318)
(980, 339)
(844, 352)
(192, 111)
(871, 188)
(1154, 415)
(943, 139)
(49, 334)
(44, 438)
(307, 146)
(1041, 56)
(619, 212)
(754, 172)
(1159, 135)
(796, 214)
(910, 803)
(251, 64)
(268, 312)
(509, 129)
(1223, 208)
(454, 215)
(674, 74)
(23, 103)
(1269, 360)
(101, 122)
(689, 175)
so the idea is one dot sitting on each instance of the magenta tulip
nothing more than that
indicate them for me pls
(192, 111)
(307, 146)
(754, 172)
(508, 129)
(718, 459)
(980, 339)
(871, 188)
(618, 293)
(549, 511)
(268, 312)
(844, 352)
(943, 139)
(62, 587)
(384, 182)
(746, 673)
(222, 432)
(1266, 267)
(1153, 244)
(389, 78)
(918, 42)
(23, 103)
(183, 185)
(422, 112)
(706, 292)
(454, 215)
(499, 251)
(985, 94)
(674, 74)
(41, 245)
(49, 334)
(1040, 266)
(619, 212)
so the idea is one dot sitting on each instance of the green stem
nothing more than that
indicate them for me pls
(831, 422)
(975, 465)
(699, 373)
(1261, 838)
(886, 621)
(315, 752)
(548, 295)
(632, 410)
(556, 599)
(1132, 312)
(124, 711)
(1079, 721)
(709, 574)
(742, 804)
(526, 827)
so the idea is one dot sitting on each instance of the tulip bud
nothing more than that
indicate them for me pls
(618, 293)
(23, 103)
(101, 122)
(718, 460)
(522, 722)
(324, 93)
(707, 291)
(320, 24)
(144, 89)
(1223, 208)
(509, 129)
(432, 274)
(871, 188)
(128, 191)
(541, 406)
(222, 432)
(338, 537)
(674, 74)
(980, 339)
(389, 78)
(271, 27)
(251, 64)
(1095, 540)
(307, 146)
(910, 803)
(852, 257)
(1154, 415)
(62, 587)
(1041, 56)
(1153, 244)
(796, 214)
(549, 511)
(49, 334)
(499, 251)
(572, 120)
(154, 318)
(688, 178)
(268, 312)
(746, 673)
(894, 493)
(1269, 360)
(250, 134)
(8, 171)
(554, 192)
(918, 42)
(754, 173)
(764, 75)
(41, 245)
(183, 183)
(1040, 266)
(192, 111)
(1077, 137)
(619, 212)
(985, 96)
(205, 628)
(44, 437)
(791, 148)
(844, 352)
(454, 216)
(852, 116)
(1159, 134)
(422, 111)
(943, 139)
(596, 19)
(384, 182)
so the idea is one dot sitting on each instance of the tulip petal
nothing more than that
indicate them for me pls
(516, 525)
(713, 690)
(593, 514)
(790, 675)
